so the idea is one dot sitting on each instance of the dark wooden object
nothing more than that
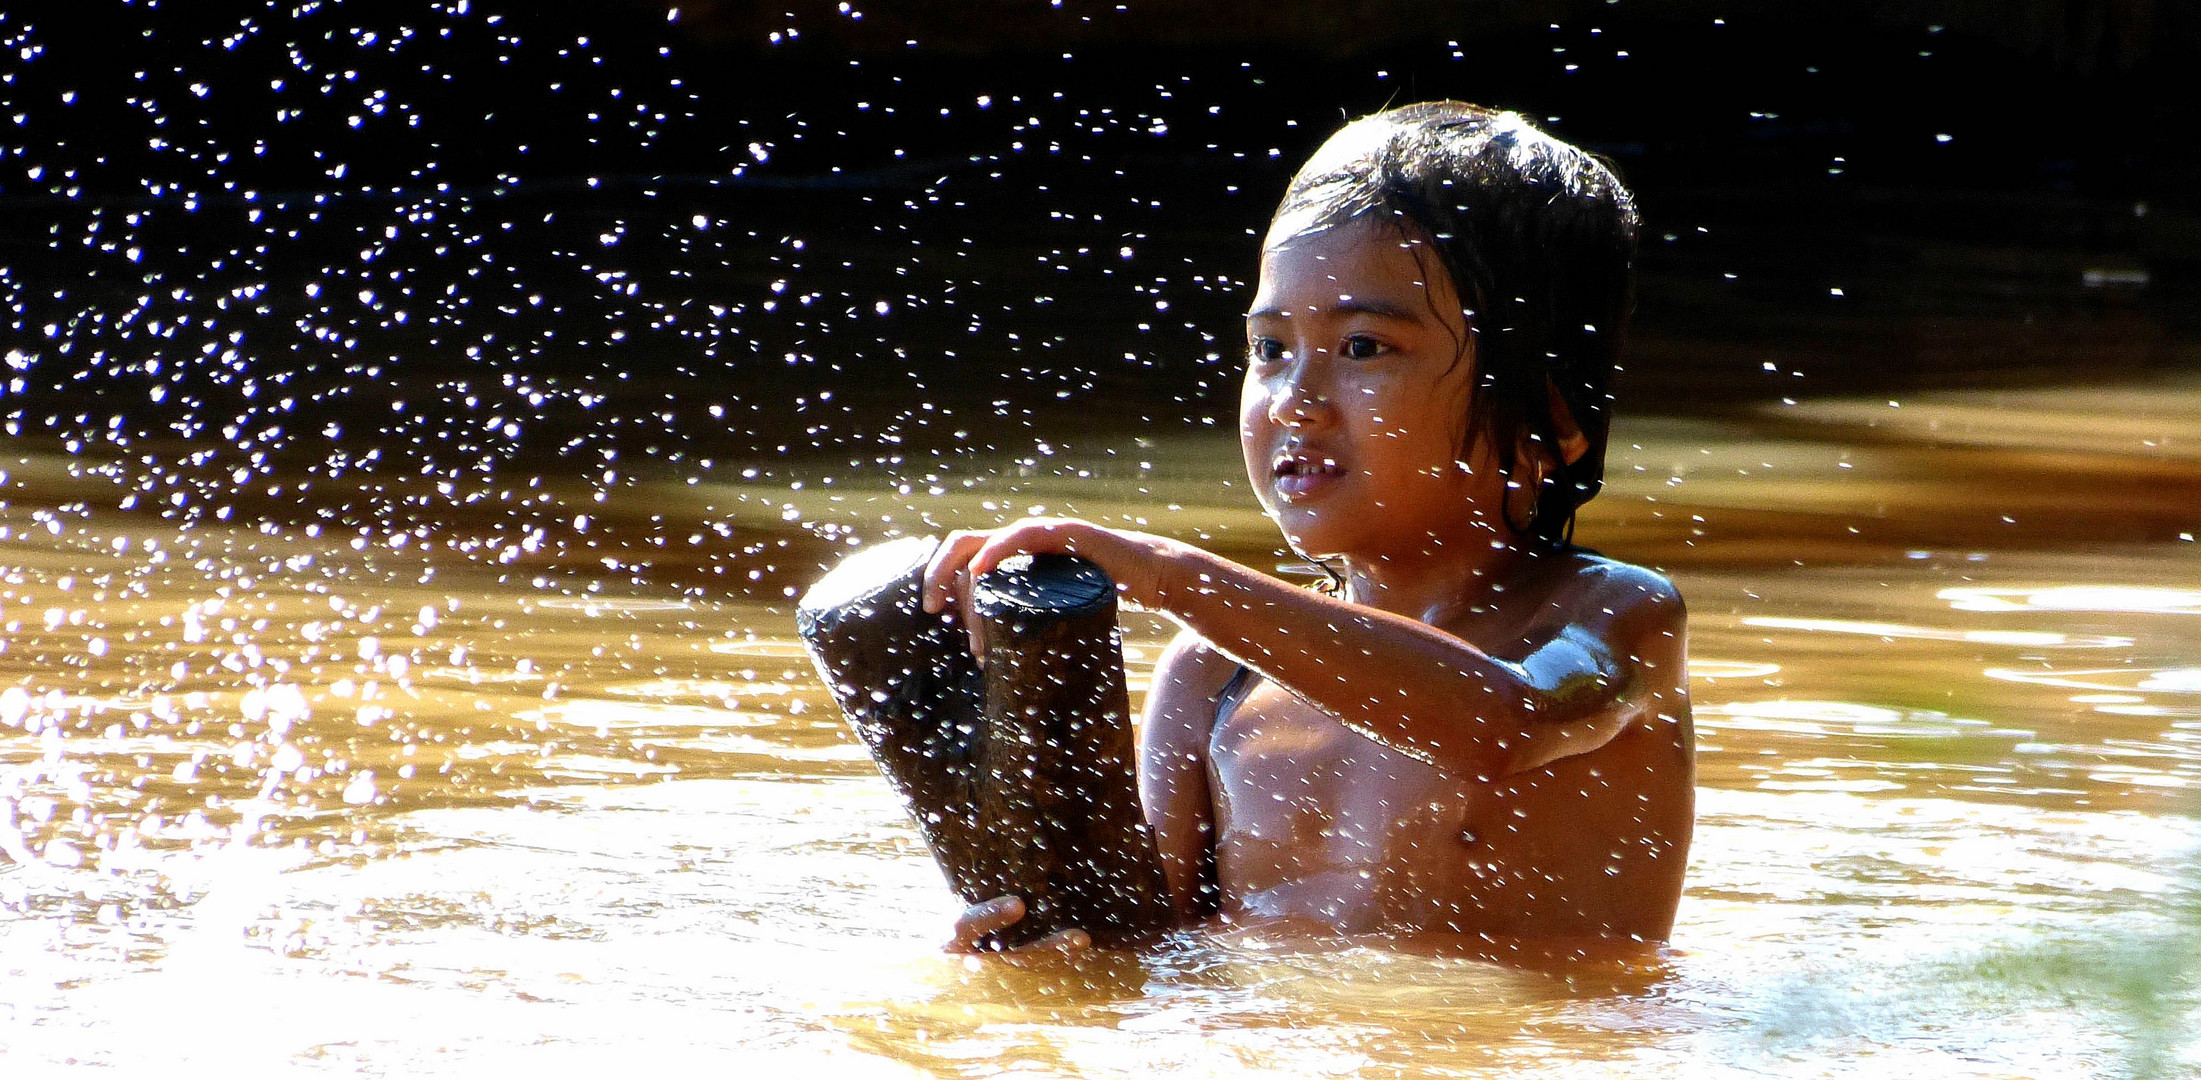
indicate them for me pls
(1020, 775)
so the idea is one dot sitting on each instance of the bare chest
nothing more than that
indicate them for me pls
(1315, 820)
(1293, 787)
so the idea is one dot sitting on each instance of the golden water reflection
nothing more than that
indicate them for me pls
(451, 806)
(2105, 598)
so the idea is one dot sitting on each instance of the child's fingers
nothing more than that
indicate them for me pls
(949, 559)
(973, 627)
(1070, 942)
(964, 556)
(1031, 536)
(979, 920)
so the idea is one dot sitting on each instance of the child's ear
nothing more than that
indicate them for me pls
(1572, 443)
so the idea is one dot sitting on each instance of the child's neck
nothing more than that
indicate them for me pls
(1435, 585)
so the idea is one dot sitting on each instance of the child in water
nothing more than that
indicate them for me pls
(1481, 731)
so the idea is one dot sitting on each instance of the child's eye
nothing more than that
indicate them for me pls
(1265, 349)
(1361, 347)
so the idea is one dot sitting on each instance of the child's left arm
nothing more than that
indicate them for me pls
(1607, 654)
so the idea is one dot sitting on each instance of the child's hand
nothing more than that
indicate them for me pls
(999, 914)
(1134, 561)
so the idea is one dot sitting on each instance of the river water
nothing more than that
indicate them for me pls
(419, 419)
(453, 797)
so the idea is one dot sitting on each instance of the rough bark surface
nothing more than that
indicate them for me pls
(1020, 774)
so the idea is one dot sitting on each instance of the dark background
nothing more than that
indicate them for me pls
(432, 247)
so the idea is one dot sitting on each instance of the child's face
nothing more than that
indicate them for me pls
(1354, 413)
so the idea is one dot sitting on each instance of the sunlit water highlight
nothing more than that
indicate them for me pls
(271, 800)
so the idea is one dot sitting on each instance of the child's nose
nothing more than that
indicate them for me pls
(1296, 401)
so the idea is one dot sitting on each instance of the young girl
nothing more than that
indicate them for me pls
(1482, 730)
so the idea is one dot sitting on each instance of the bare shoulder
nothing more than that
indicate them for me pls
(1621, 591)
(1190, 669)
(1639, 624)
(1632, 615)
(1178, 718)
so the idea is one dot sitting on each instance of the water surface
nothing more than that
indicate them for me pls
(567, 797)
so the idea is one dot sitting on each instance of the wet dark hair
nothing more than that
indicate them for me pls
(1538, 238)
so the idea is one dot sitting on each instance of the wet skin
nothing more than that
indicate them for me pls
(1316, 822)
(1482, 736)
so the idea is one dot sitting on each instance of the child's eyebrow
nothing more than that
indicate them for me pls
(1346, 305)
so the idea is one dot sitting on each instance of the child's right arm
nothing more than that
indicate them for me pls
(1606, 655)
(1178, 722)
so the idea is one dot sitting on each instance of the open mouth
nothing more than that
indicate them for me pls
(1306, 465)
(1299, 473)
(1301, 465)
